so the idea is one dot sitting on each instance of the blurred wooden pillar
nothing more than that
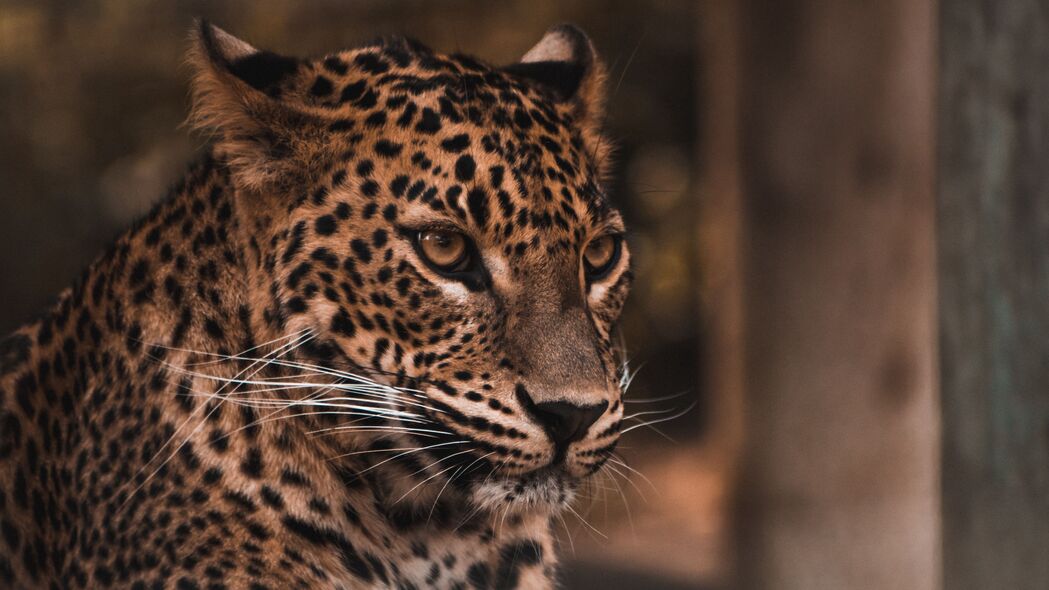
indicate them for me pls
(840, 475)
(994, 292)
(720, 240)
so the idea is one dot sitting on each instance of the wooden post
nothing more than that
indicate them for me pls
(840, 481)
(994, 292)
(720, 253)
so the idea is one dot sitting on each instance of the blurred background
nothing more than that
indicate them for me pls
(839, 216)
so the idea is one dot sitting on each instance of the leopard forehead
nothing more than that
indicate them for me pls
(422, 135)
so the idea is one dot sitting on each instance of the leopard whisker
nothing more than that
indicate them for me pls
(379, 428)
(445, 470)
(623, 498)
(317, 368)
(454, 475)
(339, 402)
(626, 375)
(395, 457)
(396, 449)
(222, 357)
(381, 393)
(649, 413)
(298, 364)
(584, 521)
(612, 468)
(372, 388)
(568, 533)
(280, 351)
(619, 461)
(652, 400)
(650, 423)
(479, 507)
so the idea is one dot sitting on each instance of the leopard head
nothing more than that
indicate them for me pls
(438, 225)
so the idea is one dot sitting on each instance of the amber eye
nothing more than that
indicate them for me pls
(601, 255)
(446, 250)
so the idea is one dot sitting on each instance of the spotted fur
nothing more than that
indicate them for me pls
(262, 385)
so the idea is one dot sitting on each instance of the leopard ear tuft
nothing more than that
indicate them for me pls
(565, 62)
(236, 96)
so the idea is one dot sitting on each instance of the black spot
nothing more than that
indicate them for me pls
(398, 185)
(369, 188)
(464, 168)
(341, 125)
(325, 537)
(295, 244)
(367, 101)
(342, 324)
(478, 575)
(272, 497)
(477, 201)
(138, 273)
(353, 91)
(336, 66)
(371, 63)
(387, 148)
(14, 351)
(321, 87)
(512, 558)
(376, 119)
(252, 463)
(406, 116)
(456, 143)
(364, 254)
(325, 225)
(429, 122)
(521, 119)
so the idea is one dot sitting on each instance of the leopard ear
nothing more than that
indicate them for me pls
(236, 96)
(566, 62)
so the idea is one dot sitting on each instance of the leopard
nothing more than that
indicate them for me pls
(369, 340)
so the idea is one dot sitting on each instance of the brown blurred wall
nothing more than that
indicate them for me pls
(840, 485)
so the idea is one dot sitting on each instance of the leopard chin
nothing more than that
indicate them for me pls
(547, 489)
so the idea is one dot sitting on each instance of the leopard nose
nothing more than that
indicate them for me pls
(566, 423)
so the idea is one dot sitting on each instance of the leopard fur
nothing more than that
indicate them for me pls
(261, 385)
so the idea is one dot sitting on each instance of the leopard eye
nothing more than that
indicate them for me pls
(601, 255)
(445, 250)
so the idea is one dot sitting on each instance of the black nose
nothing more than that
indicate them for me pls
(566, 423)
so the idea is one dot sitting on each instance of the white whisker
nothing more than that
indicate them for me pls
(416, 486)
(661, 420)
(624, 465)
(280, 351)
(583, 520)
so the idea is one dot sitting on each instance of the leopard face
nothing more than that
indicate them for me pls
(438, 225)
